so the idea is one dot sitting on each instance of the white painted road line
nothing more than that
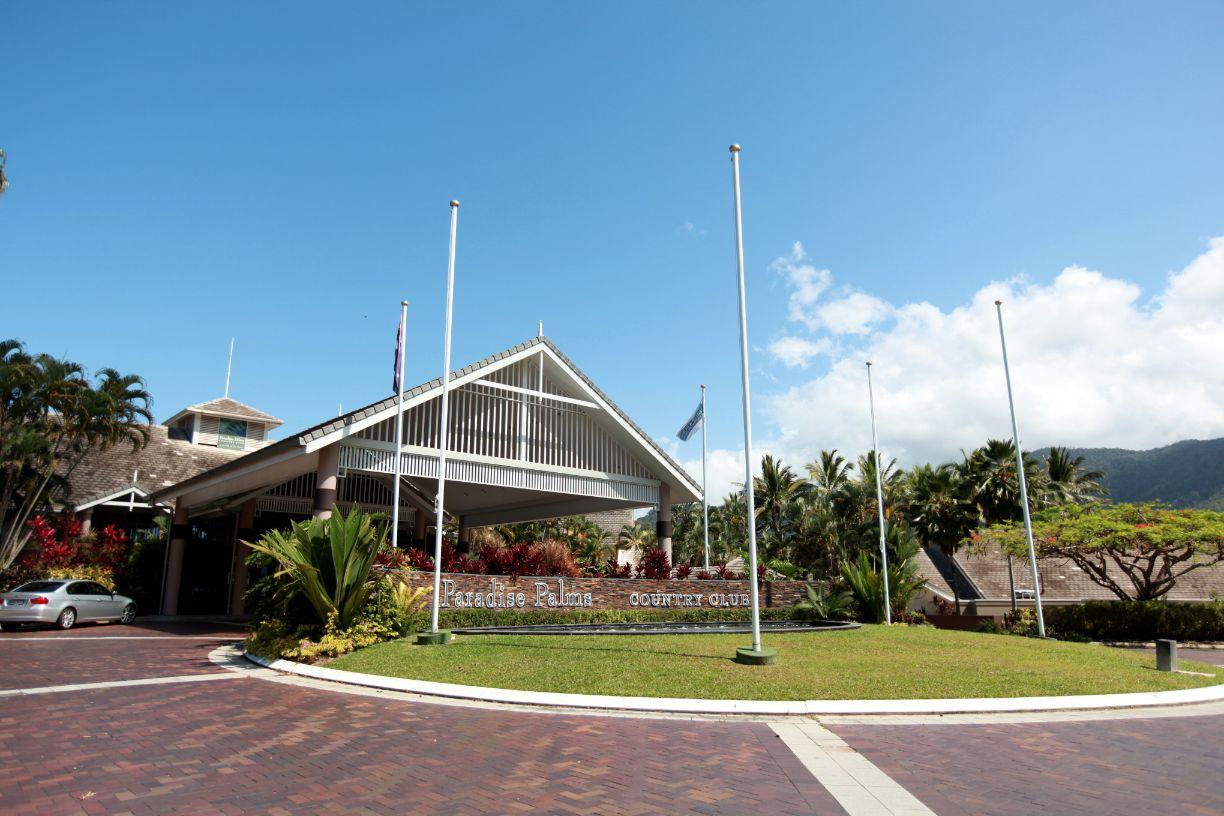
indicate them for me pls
(855, 782)
(143, 681)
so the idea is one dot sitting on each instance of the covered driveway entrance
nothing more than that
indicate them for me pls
(530, 437)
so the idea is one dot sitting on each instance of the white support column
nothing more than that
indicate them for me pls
(663, 526)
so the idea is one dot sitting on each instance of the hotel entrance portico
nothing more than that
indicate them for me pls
(530, 437)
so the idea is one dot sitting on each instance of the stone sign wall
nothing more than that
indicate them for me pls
(462, 591)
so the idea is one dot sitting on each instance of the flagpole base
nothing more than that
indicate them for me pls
(749, 656)
(438, 638)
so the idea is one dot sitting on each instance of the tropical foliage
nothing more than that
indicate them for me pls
(51, 416)
(328, 561)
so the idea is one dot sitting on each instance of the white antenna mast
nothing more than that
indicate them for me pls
(228, 367)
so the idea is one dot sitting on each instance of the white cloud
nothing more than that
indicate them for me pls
(807, 284)
(1093, 364)
(799, 351)
(854, 313)
(689, 228)
(724, 471)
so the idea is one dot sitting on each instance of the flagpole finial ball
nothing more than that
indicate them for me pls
(454, 203)
(735, 148)
(998, 303)
(403, 303)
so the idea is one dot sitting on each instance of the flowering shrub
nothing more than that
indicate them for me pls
(62, 552)
(654, 564)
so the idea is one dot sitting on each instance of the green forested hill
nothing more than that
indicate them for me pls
(1189, 473)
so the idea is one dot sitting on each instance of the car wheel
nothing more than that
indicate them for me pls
(129, 614)
(66, 618)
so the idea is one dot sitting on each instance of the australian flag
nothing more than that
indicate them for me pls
(696, 419)
(396, 385)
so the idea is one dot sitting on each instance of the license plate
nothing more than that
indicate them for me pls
(15, 602)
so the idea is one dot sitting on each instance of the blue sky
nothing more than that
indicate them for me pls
(280, 172)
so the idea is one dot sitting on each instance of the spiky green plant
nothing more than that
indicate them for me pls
(866, 582)
(823, 603)
(329, 561)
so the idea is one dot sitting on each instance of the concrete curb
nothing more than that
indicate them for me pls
(681, 705)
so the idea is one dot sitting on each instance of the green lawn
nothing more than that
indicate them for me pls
(874, 662)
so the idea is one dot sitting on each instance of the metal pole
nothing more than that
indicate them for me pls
(399, 425)
(749, 499)
(443, 424)
(1024, 502)
(875, 447)
(228, 366)
(705, 498)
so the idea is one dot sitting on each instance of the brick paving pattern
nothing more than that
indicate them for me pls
(253, 746)
(91, 659)
(1138, 766)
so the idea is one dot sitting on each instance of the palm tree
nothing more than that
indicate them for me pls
(636, 536)
(940, 512)
(50, 418)
(1067, 482)
(829, 473)
(777, 491)
(990, 476)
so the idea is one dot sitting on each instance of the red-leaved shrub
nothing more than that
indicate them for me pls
(558, 559)
(654, 564)
(615, 570)
(683, 571)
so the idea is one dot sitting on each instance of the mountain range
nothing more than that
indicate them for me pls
(1189, 473)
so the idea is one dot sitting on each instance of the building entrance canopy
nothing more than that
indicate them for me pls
(530, 437)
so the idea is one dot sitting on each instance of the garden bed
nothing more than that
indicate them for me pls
(873, 662)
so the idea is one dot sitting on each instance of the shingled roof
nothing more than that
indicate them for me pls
(160, 463)
(230, 408)
(1061, 579)
(339, 423)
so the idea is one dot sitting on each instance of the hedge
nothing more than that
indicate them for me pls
(1138, 620)
(465, 618)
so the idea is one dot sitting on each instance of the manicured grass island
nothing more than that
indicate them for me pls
(874, 662)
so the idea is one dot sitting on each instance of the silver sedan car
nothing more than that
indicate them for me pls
(64, 604)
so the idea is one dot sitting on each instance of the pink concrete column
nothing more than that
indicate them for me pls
(179, 530)
(327, 481)
(246, 532)
(86, 519)
(418, 529)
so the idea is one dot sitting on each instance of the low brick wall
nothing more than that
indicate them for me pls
(462, 591)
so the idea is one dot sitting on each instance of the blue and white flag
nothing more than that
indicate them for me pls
(396, 386)
(696, 419)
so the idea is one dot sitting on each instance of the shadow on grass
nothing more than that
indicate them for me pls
(576, 649)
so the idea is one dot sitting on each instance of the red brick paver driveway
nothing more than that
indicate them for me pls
(248, 745)
(244, 744)
(1167, 765)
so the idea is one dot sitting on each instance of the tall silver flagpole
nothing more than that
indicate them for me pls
(399, 424)
(443, 421)
(756, 655)
(1024, 502)
(705, 498)
(875, 447)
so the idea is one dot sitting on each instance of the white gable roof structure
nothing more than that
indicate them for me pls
(530, 437)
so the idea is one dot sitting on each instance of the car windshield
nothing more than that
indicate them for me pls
(39, 586)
